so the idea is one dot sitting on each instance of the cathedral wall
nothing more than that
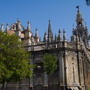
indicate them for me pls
(58, 78)
(38, 78)
(87, 72)
(72, 69)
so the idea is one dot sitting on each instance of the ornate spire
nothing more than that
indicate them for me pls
(79, 19)
(18, 25)
(37, 39)
(36, 33)
(2, 28)
(50, 34)
(45, 37)
(7, 27)
(28, 26)
(64, 35)
(55, 38)
(49, 27)
(59, 35)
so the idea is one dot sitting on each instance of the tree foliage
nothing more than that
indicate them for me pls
(50, 63)
(14, 60)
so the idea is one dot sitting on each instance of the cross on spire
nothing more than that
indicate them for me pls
(78, 7)
(79, 19)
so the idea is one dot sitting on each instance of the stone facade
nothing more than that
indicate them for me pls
(73, 57)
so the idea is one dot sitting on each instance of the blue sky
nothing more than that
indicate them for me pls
(62, 13)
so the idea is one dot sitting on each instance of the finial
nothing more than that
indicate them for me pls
(59, 35)
(79, 19)
(18, 20)
(55, 37)
(78, 7)
(45, 37)
(64, 35)
(50, 34)
(59, 31)
(49, 26)
(49, 21)
(64, 31)
(18, 25)
(45, 33)
(28, 22)
(7, 26)
(28, 26)
(36, 32)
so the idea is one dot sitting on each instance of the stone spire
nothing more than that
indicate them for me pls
(2, 28)
(79, 19)
(28, 34)
(18, 25)
(64, 35)
(59, 35)
(45, 37)
(7, 27)
(81, 29)
(28, 26)
(36, 33)
(50, 34)
(18, 29)
(49, 27)
(55, 38)
(37, 39)
(64, 39)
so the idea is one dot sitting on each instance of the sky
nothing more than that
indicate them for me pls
(62, 14)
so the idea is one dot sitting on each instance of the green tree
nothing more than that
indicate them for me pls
(14, 60)
(50, 63)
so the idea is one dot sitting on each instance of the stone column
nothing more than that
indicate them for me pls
(82, 73)
(61, 69)
(80, 65)
(45, 79)
(64, 56)
(31, 79)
